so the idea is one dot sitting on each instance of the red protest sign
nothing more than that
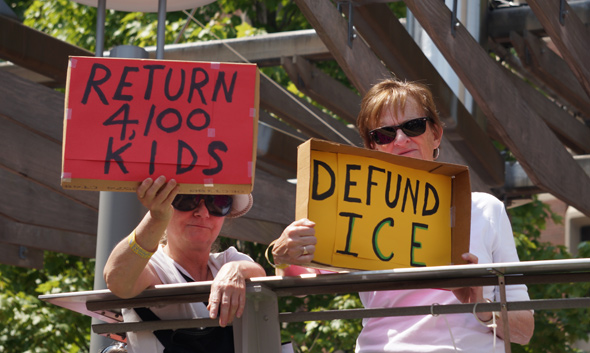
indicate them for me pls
(127, 119)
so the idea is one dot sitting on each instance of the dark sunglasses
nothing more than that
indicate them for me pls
(117, 347)
(217, 205)
(412, 128)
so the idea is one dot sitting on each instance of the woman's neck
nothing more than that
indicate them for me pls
(195, 262)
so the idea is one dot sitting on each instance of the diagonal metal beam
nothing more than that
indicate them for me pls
(502, 21)
(52, 209)
(448, 151)
(303, 115)
(36, 50)
(391, 42)
(571, 132)
(44, 238)
(568, 34)
(550, 69)
(322, 88)
(277, 146)
(505, 56)
(539, 151)
(364, 68)
(31, 120)
(273, 210)
(19, 255)
(358, 62)
(264, 50)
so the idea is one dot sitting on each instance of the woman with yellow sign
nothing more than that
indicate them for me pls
(400, 118)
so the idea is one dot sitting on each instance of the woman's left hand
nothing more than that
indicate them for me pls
(469, 294)
(521, 323)
(472, 294)
(228, 294)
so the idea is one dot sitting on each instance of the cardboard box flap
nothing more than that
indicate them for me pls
(375, 211)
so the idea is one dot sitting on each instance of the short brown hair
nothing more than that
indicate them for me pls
(393, 93)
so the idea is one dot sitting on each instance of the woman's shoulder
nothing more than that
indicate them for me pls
(485, 199)
(486, 203)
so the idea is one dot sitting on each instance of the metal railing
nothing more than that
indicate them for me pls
(259, 328)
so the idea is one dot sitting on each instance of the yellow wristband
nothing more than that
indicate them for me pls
(136, 248)
(280, 266)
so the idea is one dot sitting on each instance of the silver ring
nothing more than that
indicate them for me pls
(305, 251)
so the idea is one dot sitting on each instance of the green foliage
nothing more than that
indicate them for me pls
(65, 20)
(254, 250)
(272, 15)
(18, 6)
(76, 24)
(555, 331)
(322, 336)
(30, 325)
(398, 8)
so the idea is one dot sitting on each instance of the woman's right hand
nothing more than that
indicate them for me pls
(296, 246)
(157, 196)
(127, 274)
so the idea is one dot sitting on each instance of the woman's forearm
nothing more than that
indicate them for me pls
(521, 326)
(126, 272)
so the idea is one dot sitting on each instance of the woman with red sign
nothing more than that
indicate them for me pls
(174, 243)
(401, 118)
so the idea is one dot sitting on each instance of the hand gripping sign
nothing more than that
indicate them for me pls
(377, 211)
(128, 119)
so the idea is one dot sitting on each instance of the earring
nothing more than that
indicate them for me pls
(436, 153)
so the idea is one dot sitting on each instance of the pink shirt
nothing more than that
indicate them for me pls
(491, 241)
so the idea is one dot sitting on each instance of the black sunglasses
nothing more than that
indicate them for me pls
(217, 205)
(117, 347)
(387, 134)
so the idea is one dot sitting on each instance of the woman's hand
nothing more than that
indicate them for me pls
(297, 243)
(521, 323)
(469, 294)
(157, 196)
(472, 294)
(127, 274)
(228, 291)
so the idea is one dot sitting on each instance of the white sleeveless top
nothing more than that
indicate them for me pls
(168, 272)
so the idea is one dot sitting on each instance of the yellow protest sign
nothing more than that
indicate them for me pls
(377, 211)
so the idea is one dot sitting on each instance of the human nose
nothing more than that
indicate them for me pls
(201, 210)
(400, 137)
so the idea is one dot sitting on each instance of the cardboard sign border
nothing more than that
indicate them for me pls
(131, 186)
(460, 194)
